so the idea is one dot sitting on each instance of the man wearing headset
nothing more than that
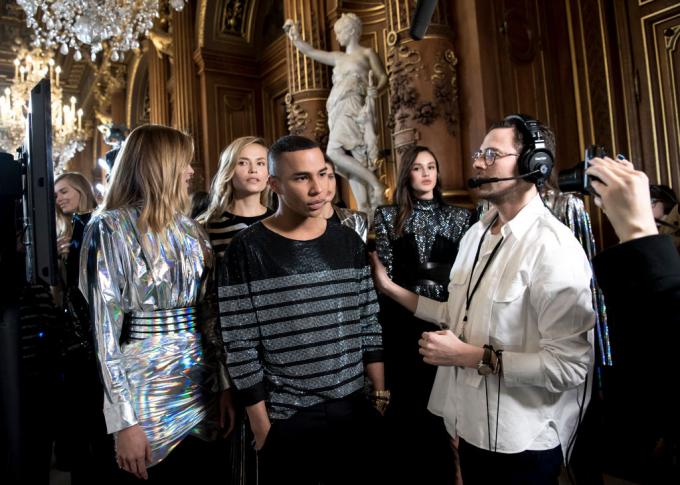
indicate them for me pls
(515, 350)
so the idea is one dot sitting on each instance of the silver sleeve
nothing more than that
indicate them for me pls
(102, 283)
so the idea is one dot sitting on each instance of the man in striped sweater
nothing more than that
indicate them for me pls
(299, 320)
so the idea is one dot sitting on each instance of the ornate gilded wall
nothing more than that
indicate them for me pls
(602, 71)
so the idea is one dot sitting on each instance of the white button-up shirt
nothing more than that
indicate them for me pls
(535, 303)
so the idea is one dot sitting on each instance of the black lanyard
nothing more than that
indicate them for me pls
(468, 295)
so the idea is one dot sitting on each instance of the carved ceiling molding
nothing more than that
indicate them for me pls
(226, 22)
(234, 18)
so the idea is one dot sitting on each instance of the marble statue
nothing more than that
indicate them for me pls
(358, 77)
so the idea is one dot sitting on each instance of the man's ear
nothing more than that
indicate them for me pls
(273, 183)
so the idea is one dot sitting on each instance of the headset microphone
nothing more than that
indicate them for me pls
(478, 182)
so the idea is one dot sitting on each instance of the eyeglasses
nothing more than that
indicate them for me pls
(490, 155)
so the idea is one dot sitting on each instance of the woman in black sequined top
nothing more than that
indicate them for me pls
(417, 241)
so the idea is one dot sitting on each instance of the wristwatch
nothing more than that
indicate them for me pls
(484, 367)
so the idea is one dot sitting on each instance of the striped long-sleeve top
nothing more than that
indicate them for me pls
(299, 318)
(223, 229)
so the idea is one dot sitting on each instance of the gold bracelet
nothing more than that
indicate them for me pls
(380, 400)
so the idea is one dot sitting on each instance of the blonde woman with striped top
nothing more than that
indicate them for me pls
(239, 195)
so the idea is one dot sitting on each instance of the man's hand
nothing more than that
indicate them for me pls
(260, 432)
(444, 348)
(133, 452)
(227, 413)
(624, 197)
(380, 400)
(259, 423)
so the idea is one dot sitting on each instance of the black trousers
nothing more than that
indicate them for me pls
(333, 443)
(82, 444)
(529, 467)
(192, 461)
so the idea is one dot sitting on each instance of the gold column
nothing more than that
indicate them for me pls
(308, 80)
(158, 88)
(424, 92)
(185, 105)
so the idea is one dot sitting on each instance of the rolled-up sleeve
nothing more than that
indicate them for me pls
(102, 282)
(433, 311)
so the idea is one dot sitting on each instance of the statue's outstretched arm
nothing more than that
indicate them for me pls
(318, 55)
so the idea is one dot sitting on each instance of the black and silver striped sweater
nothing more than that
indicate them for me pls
(299, 318)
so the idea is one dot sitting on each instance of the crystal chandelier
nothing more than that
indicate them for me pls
(73, 24)
(68, 135)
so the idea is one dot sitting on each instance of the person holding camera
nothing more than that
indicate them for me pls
(640, 279)
(515, 349)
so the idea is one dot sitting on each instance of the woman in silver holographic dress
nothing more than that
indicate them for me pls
(417, 242)
(145, 269)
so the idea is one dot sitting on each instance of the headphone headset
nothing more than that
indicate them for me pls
(535, 156)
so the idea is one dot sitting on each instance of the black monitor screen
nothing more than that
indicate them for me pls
(40, 186)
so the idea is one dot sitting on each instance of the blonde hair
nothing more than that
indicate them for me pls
(148, 174)
(87, 201)
(222, 187)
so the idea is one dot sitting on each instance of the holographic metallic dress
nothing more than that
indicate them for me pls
(158, 349)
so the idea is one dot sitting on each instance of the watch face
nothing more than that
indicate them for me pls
(484, 369)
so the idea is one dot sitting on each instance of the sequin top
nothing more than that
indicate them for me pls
(299, 318)
(421, 259)
(160, 364)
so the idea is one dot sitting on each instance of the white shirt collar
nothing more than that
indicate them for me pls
(519, 224)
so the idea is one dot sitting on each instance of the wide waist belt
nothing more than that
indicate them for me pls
(427, 274)
(142, 325)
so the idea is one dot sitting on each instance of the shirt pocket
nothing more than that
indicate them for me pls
(509, 314)
(457, 281)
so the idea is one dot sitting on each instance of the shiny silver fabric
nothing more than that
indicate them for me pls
(355, 220)
(165, 381)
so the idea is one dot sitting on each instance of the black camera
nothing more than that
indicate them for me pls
(576, 179)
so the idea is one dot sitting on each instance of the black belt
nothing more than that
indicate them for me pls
(429, 274)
